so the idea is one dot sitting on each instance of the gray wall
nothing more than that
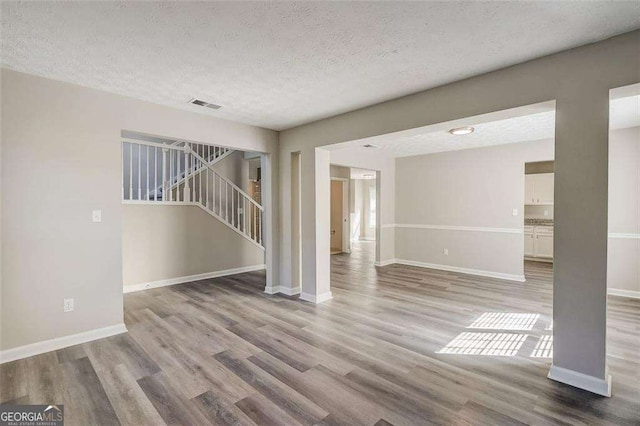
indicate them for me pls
(623, 272)
(164, 242)
(61, 159)
(479, 187)
(473, 188)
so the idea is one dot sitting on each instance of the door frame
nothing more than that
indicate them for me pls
(345, 244)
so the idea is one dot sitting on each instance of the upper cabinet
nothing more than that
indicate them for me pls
(538, 188)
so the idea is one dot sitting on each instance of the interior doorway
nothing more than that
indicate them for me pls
(339, 219)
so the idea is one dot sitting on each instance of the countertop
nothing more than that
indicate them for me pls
(538, 222)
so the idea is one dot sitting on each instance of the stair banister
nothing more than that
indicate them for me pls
(233, 185)
(196, 168)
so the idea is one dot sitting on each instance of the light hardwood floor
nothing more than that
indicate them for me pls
(222, 352)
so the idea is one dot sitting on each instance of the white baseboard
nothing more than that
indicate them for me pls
(538, 259)
(59, 343)
(623, 293)
(313, 298)
(490, 274)
(282, 289)
(189, 278)
(581, 381)
(290, 291)
(385, 262)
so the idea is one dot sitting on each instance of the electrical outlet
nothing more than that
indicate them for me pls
(68, 305)
(446, 252)
(515, 212)
(96, 216)
(546, 212)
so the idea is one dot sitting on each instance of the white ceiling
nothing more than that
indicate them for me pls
(356, 173)
(281, 64)
(491, 129)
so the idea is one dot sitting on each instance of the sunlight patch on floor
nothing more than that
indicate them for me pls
(544, 348)
(493, 344)
(505, 321)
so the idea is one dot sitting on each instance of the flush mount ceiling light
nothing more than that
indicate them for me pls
(200, 102)
(461, 131)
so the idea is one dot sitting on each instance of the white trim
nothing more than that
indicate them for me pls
(479, 272)
(624, 293)
(624, 235)
(189, 278)
(581, 381)
(539, 259)
(159, 203)
(460, 228)
(388, 225)
(313, 298)
(60, 343)
(290, 291)
(284, 290)
(385, 262)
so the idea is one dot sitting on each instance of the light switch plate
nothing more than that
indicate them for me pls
(446, 252)
(68, 305)
(96, 215)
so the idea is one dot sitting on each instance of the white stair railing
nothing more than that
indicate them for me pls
(156, 173)
(212, 154)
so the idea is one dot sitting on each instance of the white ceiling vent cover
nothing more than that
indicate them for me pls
(205, 104)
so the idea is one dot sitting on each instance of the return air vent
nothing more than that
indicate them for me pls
(205, 104)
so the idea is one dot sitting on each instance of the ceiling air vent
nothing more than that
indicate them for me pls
(205, 104)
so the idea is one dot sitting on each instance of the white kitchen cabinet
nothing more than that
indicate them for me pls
(543, 242)
(538, 188)
(528, 244)
(529, 191)
(538, 242)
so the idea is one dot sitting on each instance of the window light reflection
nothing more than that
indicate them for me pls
(505, 321)
(544, 348)
(493, 344)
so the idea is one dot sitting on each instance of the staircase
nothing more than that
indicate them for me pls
(184, 173)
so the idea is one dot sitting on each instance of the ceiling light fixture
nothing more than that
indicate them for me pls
(462, 131)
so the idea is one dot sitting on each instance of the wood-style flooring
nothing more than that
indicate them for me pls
(397, 345)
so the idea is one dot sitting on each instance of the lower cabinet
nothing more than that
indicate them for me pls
(543, 246)
(528, 241)
(538, 242)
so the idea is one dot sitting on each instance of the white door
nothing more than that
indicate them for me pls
(543, 188)
(528, 244)
(544, 245)
(529, 184)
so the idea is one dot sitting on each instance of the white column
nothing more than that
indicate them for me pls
(269, 222)
(316, 226)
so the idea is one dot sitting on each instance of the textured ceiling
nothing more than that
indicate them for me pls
(624, 112)
(281, 64)
(356, 173)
